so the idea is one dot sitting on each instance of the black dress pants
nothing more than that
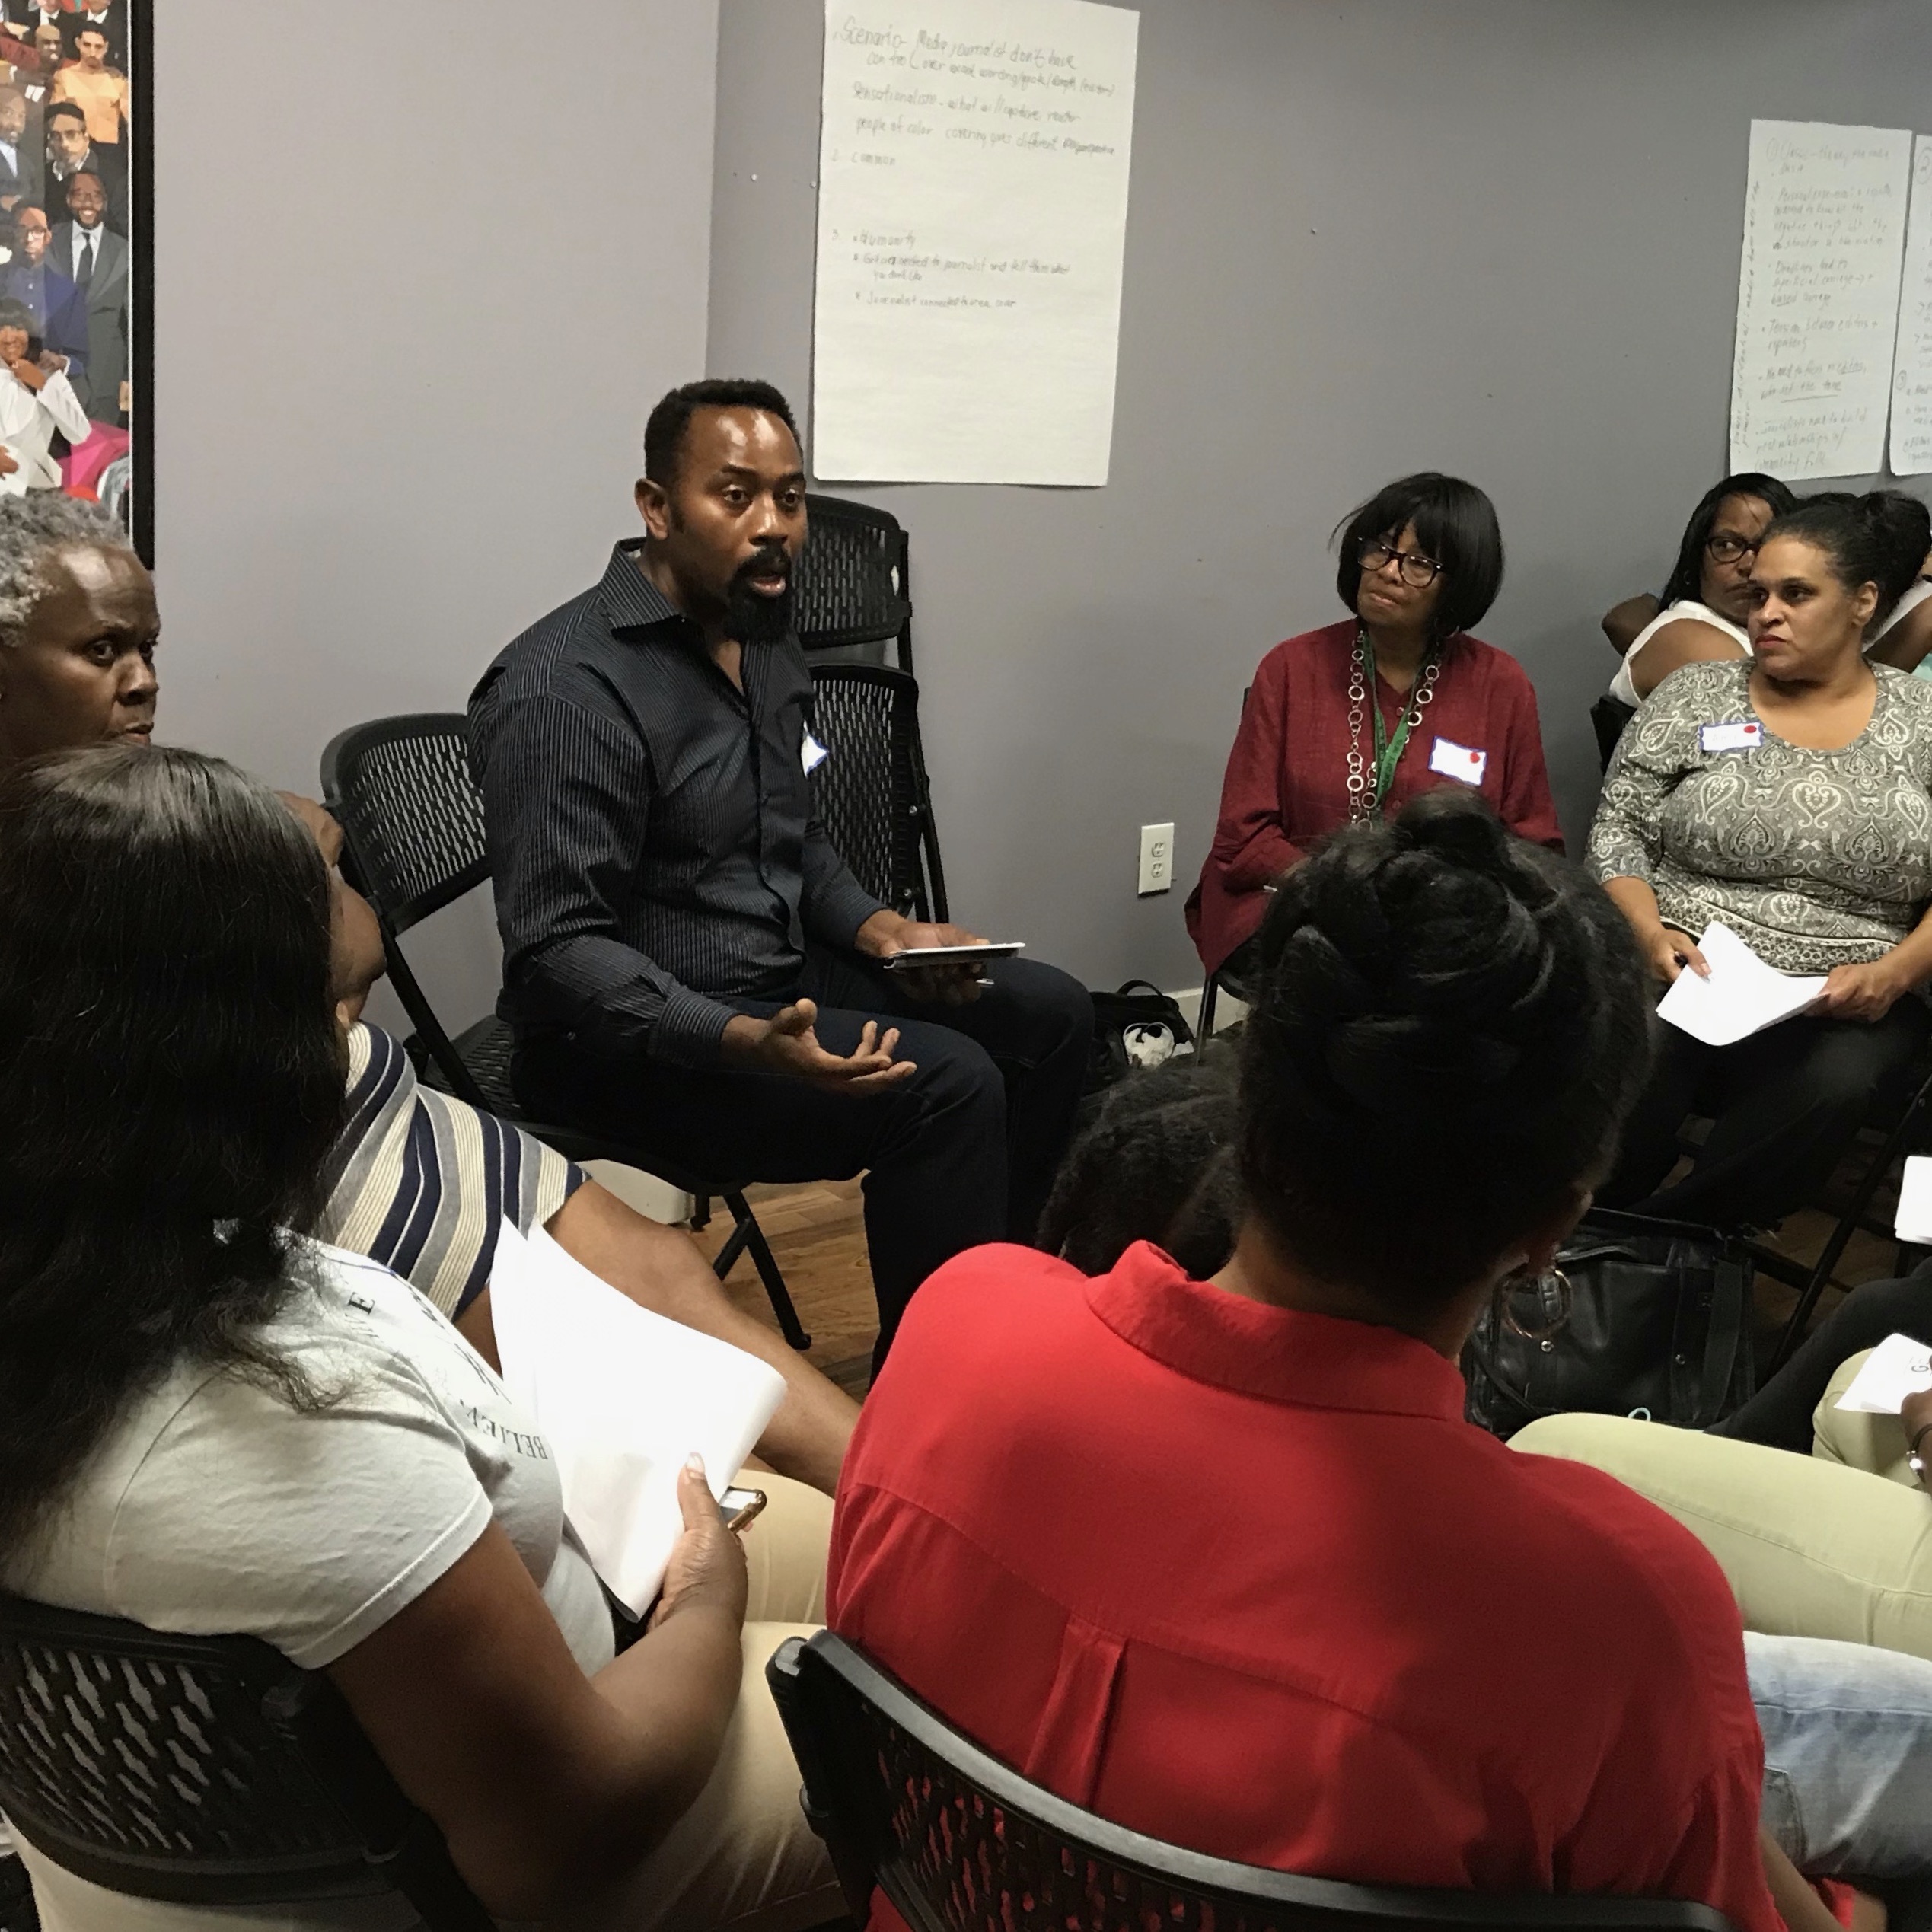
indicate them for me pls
(963, 1153)
(1779, 1413)
(1787, 1102)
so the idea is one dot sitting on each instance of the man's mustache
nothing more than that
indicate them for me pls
(766, 563)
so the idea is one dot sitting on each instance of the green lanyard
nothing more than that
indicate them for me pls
(1388, 750)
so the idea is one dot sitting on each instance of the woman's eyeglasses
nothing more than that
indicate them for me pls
(1418, 571)
(1728, 550)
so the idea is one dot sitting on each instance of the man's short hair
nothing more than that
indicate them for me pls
(664, 434)
(66, 108)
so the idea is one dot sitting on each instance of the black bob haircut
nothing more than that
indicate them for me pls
(1455, 524)
(1686, 579)
(664, 434)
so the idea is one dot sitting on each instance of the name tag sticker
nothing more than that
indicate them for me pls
(814, 753)
(1744, 735)
(1457, 761)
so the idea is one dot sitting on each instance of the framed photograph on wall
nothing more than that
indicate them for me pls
(76, 285)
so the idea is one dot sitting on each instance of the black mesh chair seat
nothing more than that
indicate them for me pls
(960, 1842)
(850, 594)
(414, 842)
(203, 1771)
(871, 793)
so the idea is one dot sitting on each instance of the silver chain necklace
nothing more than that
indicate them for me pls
(1362, 802)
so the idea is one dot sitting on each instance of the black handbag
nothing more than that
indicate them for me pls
(1644, 1317)
(1139, 1025)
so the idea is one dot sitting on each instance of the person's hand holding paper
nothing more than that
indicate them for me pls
(623, 1396)
(1739, 995)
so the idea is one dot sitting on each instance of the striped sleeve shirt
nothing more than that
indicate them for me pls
(651, 832)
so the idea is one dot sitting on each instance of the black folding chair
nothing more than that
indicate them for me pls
(871, 792)
(960, 1842)
(1898, 1132)
(1608, 716)
(412, 829)
(852, 592)
(204, 1770)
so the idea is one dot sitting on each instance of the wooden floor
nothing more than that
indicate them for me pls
(817, 1235)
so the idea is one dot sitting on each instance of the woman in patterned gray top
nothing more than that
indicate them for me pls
(1790, 798)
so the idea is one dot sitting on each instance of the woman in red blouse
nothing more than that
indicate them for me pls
(1421, 561)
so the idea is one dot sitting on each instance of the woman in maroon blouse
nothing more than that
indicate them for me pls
(1421, 561)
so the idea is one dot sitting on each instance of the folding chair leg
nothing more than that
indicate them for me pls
(748, 1235)
(1861, 1199)
(1204, 1026)
(701, 1217)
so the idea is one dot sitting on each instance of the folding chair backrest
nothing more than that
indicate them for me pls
(851, 593)
(411, 812)
(203, 1771)
(870, 791)
(960, 1842)
(1608, 716)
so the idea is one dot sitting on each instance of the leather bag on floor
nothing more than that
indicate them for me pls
(1658, 1325)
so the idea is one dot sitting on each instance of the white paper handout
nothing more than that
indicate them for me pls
(622, 1396)
(1817, 298)
(1897, 1368)
(1743, 995)
(972, 219)
(1913, 1223)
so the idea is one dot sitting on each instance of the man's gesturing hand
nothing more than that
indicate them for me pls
(785, 1044)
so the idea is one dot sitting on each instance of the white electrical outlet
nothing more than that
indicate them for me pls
(1156, 858)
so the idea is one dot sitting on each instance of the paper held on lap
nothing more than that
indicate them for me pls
(1743, 995)
(1897, 1368)
(1914, 1222)
(622, 1396)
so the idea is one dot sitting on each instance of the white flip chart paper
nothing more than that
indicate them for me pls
(972, 218)
(1911, 372)
(622, 1396)
(1817, 298)
(1743, 995)
(1897, 1368)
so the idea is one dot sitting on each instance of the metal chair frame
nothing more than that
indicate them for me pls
(119, 1748)
(870, 1752)
(448, 1066)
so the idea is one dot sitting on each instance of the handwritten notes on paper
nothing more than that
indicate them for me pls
(1817, 298)
(972, 219)
(1911, 372)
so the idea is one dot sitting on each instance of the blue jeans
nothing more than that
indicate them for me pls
(1847, 1755)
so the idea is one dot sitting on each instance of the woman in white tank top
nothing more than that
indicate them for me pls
(1707, 598)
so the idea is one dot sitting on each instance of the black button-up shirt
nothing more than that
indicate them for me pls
(650, 825)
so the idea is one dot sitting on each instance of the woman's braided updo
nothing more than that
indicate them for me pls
(1451, 1025)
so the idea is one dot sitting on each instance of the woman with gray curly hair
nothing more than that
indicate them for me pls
(78, 626)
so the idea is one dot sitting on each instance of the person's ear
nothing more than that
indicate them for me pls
(654, 506)
(1540, 1249)
(1864, 603)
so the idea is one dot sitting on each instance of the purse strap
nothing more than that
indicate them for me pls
(1723, 1334)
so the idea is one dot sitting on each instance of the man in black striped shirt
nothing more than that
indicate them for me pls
(688, 962)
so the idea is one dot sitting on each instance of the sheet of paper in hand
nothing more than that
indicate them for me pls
(1743, 995)
(622, 1396)
(1897, 1368)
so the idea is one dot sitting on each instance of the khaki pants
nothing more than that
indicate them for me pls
(1810, 1547)
(1872, 1442)
(743, 1859)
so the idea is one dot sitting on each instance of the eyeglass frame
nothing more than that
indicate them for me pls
(1746, 547)
(1402, 560)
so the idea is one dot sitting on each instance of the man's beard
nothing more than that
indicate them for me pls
(752, 618)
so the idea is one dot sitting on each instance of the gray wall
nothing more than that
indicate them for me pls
(1495, 236)
(414, 294)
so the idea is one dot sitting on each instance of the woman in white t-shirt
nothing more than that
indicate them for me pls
(1701, 611)
(209, 1424)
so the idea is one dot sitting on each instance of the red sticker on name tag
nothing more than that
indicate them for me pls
(1746, 735)
(1457, 761)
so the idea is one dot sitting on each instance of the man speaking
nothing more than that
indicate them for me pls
(688, 964)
